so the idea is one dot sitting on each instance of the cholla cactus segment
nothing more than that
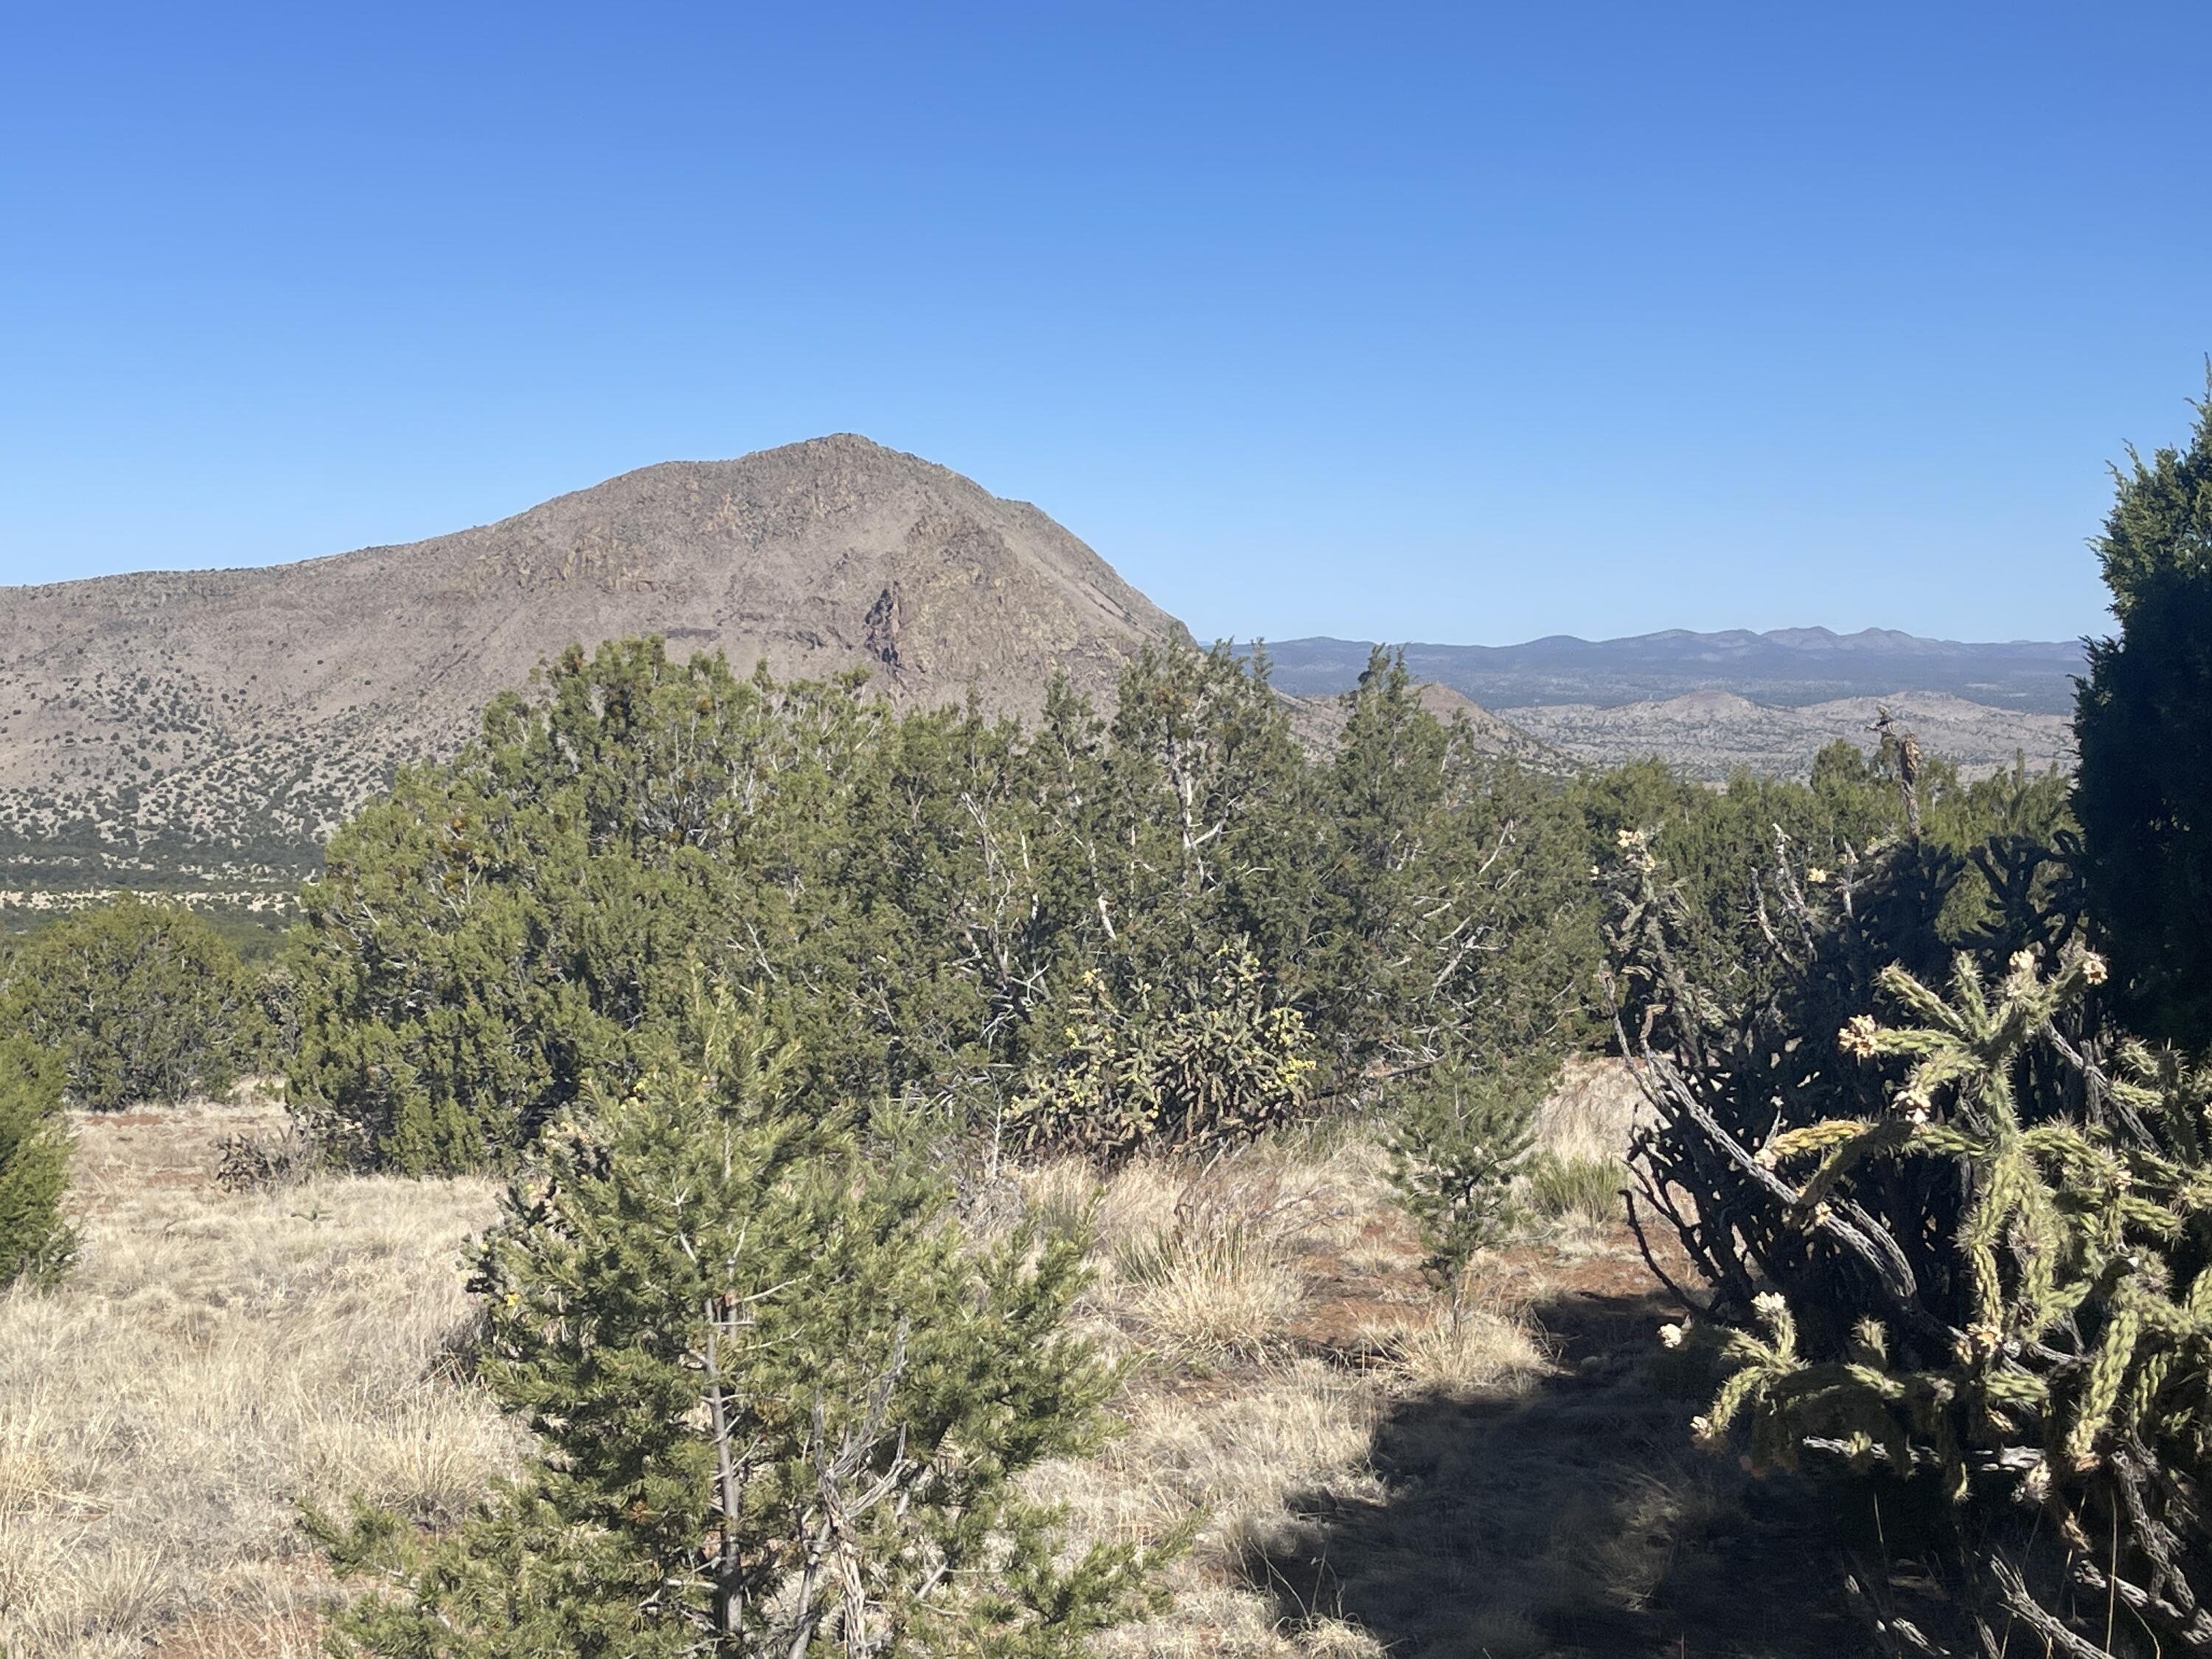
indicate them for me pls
(1814, 1138)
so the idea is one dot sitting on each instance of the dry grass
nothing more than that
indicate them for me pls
(1343, 1452)
(214, 1359)
(1227, 1461)
(1483, 1353)
(1589, 1115)
(1212, 1277)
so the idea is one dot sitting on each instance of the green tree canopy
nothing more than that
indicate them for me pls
(34, 1162)
(780, 1407)
(942, 908)
(2144, 720)
(142, 1002)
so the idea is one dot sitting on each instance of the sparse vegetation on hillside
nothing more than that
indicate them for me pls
(235, 717)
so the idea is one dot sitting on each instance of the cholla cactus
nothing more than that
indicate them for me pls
(2073, 1378)
(1958, 1227)
(1216, 1064)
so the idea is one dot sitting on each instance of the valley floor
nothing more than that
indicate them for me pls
(1371, 1480)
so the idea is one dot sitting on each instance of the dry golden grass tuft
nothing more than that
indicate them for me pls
(1588, 1116)
(1482, 1353)
(214, 1358)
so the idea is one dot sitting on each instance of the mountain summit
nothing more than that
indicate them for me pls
(254, 706)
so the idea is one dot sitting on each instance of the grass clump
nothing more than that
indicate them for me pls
(1576, 1189)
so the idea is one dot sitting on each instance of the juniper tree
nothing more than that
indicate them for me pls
(781, 1407)
(1461, 922)
(140, 1000)
(2144, 721)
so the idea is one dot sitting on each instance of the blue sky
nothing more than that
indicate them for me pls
(1466, 322)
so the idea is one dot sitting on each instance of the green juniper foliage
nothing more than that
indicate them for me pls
(1458, 918)
(2144, 721)
(143, 1001)
(781, 1409)
(34, 1240)
(1173, 926)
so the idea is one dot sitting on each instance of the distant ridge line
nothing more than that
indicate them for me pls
(1784, 667)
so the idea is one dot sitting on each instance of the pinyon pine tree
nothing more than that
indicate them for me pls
(781, 1409)
(34, 1163)
(1462, 1136)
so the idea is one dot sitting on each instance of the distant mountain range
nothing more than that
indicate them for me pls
(1784, 668)
(208, 728)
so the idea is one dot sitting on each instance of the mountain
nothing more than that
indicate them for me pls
(1784, 668)
(251, 709)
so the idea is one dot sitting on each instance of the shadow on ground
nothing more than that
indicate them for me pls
(1574, 1520)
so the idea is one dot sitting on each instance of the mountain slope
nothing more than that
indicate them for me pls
(252, 708)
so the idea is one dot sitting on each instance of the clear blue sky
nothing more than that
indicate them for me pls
(1459, 323)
